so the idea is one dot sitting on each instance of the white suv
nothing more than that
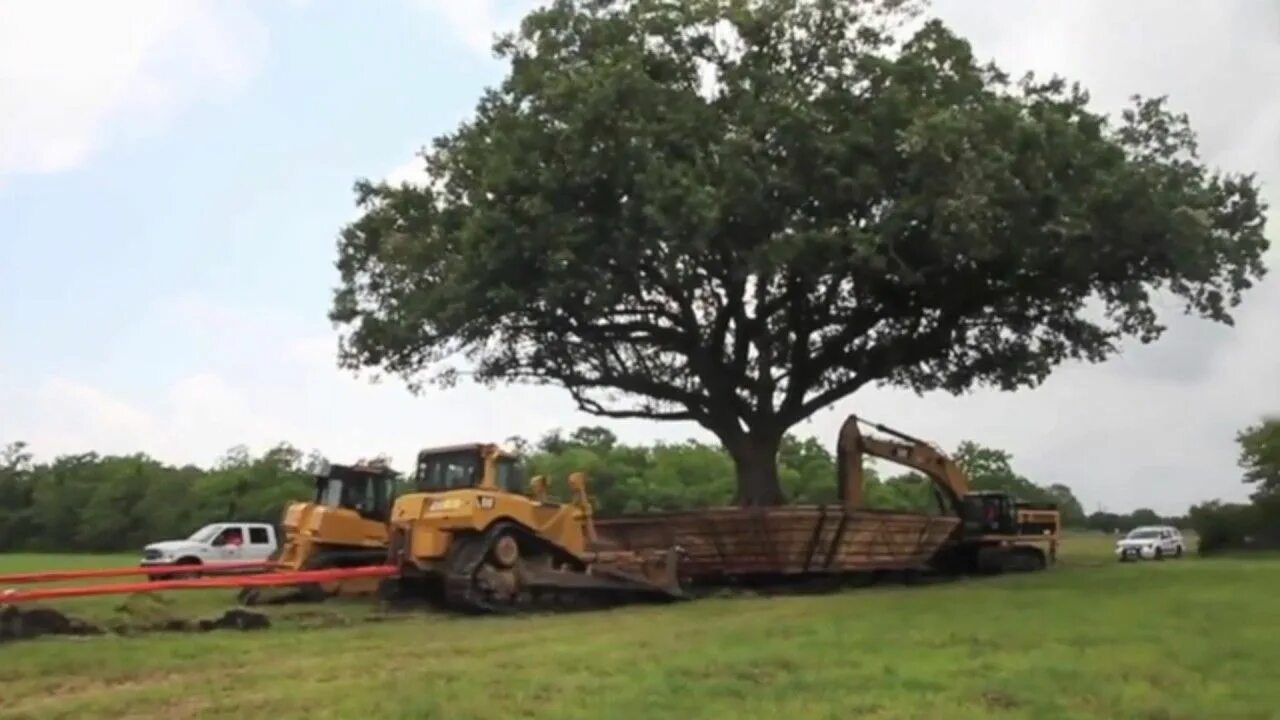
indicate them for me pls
(1151, 542)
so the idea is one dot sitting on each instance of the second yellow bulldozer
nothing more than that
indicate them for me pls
(475, 536)
(343, 525)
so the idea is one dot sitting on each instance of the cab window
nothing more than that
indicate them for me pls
(329, 492)
(510, 476)
(371, 496)
(448, 472)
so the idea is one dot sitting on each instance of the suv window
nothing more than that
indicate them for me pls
(258, 536)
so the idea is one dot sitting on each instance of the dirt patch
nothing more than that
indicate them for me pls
(18, 624)
(24, 624)
(999, 700)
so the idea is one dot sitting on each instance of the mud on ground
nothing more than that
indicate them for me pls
(18, 623)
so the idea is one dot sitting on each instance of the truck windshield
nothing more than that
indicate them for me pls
(205, 534)
(1144, 534)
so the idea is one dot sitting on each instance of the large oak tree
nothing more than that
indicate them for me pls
(737, 212)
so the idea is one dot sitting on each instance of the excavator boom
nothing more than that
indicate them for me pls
(908, 451)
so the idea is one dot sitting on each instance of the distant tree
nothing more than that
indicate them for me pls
(992, 469)
(519, 445)
(1104, 521)
(907, 491)
(807, 471)
(737, 212)
(15, 495)
(1260, 456)
(1069, 506)
(1144, 516)
(553, 442)
(596, 437)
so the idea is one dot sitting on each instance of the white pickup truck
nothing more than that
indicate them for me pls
(216, 543)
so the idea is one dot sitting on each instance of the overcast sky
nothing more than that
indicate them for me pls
(172, 177)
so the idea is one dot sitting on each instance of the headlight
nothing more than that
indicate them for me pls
(446, 504)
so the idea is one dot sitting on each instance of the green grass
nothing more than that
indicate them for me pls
(1090, 639)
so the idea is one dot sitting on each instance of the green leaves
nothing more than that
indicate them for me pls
(98, 503)
(680, 476)
(737, 212)
(1260, 456)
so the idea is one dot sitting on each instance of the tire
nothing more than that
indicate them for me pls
(1159, 554)
(185, 562)
(1178, 553)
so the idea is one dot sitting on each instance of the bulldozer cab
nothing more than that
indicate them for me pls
(478, 466)
(367, 490)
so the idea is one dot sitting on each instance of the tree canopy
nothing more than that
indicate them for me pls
(1260, 456)
(737, 212)
(1256, 524)
(992, 469)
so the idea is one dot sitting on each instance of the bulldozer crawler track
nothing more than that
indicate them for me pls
(324, 558)
(565, 583)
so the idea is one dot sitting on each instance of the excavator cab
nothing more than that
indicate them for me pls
(989, 512)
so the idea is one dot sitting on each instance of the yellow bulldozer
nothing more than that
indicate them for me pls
(475, 536)
(343, 525)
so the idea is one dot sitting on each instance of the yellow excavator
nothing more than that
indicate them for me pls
(997, 532)
(476, 537)
(343, 525)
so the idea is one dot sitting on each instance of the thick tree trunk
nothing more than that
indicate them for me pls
(755, 459)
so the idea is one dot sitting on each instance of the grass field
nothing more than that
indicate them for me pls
(1090, 639)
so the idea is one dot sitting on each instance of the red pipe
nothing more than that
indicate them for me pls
(56, 575)
(260, 580)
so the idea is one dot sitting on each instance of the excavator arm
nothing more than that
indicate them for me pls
(904, 450)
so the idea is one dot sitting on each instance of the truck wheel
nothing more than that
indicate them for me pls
(1159, 553)
(186, 562)
(1178, 553)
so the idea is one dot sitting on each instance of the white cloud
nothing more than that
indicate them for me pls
(196, 418)
(474, 22)
(75, 73)
(412, 172)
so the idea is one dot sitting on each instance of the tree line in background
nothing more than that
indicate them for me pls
(647, 478)
(91, 502)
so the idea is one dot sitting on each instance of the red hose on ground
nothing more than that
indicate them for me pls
(56, 575)
(12, 596)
